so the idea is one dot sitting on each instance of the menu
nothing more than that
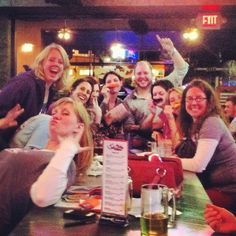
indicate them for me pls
(115, 177)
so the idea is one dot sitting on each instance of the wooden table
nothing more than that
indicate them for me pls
(49, 221)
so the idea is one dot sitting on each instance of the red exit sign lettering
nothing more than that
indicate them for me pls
(209, 20)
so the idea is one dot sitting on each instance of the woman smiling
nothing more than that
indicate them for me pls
(33, 89)
(215, 159)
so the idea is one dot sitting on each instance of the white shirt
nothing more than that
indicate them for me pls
(51, 184)
(204, 153)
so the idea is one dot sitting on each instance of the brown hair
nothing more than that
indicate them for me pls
(111, 73)
(231, 99)
(213, 108)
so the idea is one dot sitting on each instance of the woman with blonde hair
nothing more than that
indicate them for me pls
(38, 65)
(83, 160)
(41, 176)
(172, 113)
(33, 89)
(33, 133)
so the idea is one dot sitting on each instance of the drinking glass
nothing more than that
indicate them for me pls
(165, 148)
(154, 210)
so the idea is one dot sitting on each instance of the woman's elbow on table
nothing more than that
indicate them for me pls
(42, 198)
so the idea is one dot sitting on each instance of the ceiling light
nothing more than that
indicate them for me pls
(191, 34)
(27, 47)
(107, 59)
(117, 50)
(64, 33)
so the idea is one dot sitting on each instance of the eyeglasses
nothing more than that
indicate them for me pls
(197, 99)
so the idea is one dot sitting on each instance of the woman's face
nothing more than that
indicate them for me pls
(160, 96)
(113, 83)
(96, 91)
(82, 92)
(53, 66)
(175, 100)
(64, 121)
(195, 103)
(229, 109)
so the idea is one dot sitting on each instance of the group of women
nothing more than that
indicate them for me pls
(73, 121)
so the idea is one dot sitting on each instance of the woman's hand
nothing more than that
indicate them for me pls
(152, 107)
(106, 94)
(96, 111)
(72, 142)
(10, 119)
(220, 219)
(168, 110)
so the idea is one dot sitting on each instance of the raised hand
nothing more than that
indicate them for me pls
(106, 93)
(96, 111)
(152, 107)
(168, 110)
(73, 141)
(10, 119)
(166, 44)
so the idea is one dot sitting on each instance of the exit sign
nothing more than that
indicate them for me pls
(209, 20)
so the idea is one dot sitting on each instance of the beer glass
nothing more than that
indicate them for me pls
(154, 210)
(165, 148)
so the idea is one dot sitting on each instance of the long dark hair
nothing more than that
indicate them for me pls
(187, 126)
(111, 73)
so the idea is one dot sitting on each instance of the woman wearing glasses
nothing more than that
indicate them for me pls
(215, 158)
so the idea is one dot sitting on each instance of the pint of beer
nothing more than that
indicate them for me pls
(154, 210)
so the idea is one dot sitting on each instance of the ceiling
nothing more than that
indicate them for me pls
(168, 14)
(140, 17)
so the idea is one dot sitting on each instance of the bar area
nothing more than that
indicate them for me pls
(118, 117)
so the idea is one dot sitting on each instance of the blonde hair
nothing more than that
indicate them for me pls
(38, 62)
(83, 159)
(176, 89)
(143, 63)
